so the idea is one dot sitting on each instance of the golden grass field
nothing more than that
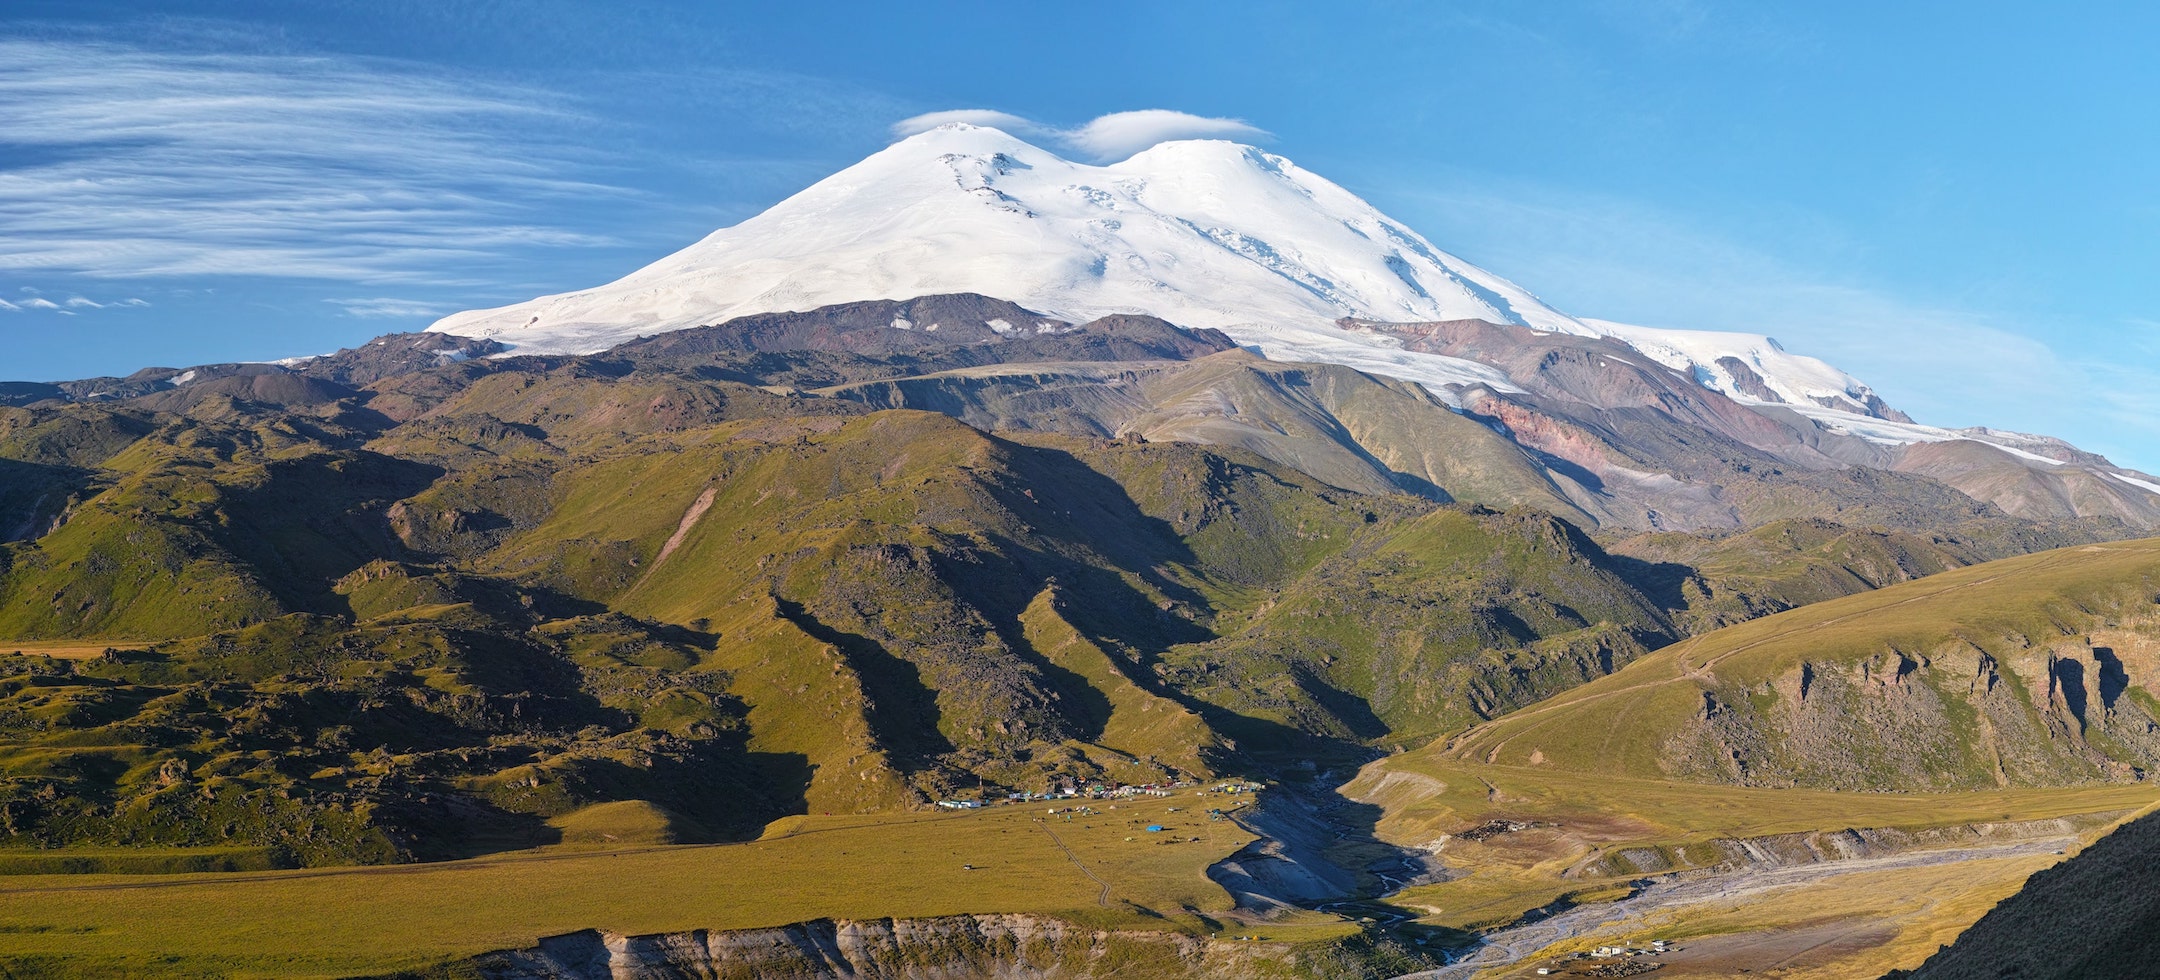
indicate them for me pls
(342, 921)
(67, 649)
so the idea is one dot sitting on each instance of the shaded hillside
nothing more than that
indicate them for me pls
(2034, 671)
(931, 558)
(2095, 915)
(1721, 580)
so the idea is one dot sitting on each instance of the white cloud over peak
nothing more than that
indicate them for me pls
(1122, 134)
(1110, 137)
(1017, 125)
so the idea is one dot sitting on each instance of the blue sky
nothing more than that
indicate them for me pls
(1954, 201)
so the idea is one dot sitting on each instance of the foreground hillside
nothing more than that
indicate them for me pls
(2095, 915)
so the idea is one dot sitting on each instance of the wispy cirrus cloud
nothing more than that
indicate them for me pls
(1109, 137)
(386, 306)
(117, 161)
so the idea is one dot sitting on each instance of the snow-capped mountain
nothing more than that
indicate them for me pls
(1201, 232)
(1205, 233)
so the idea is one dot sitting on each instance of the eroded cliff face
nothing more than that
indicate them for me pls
(1961, 715)
(964, 947)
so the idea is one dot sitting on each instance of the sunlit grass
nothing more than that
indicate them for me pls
(332, 922)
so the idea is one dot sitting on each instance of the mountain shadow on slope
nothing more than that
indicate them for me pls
(2095, 915)
(943, 331)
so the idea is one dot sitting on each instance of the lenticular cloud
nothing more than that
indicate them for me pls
(1122, 134)
(1104, 138)
(1016, 125)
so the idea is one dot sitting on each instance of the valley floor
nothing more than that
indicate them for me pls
(1102, 869)
(1774, 882)
(1783, 883)
(1842, 918)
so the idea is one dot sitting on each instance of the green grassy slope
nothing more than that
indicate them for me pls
(369, 921)
(2038, 670)
(1428, 625)
(920, 551)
